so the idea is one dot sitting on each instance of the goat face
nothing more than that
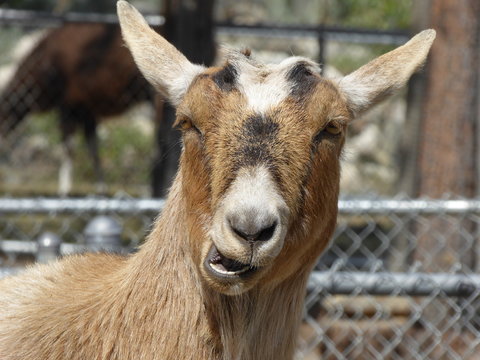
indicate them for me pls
(260, 164)
(261, 152)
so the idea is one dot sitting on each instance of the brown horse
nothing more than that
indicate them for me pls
(85, 72)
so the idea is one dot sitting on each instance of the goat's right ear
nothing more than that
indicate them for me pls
(166, 68)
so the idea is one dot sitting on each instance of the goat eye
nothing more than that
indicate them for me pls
(333, 129)
(185, 124)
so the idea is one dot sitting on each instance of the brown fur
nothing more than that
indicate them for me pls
(76, 65)
(161, 303)
(85, 72)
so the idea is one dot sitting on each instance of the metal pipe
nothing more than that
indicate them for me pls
(401, 284)
(351, 35)
(87, 205)
(345, 206)
(45, 19)
(30, 247)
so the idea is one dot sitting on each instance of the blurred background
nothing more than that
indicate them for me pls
(76, 113)
(87, 153)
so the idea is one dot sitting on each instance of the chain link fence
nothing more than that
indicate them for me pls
(377, 293)
(404, 280)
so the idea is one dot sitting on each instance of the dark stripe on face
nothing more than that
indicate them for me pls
(226, 78)
(301, 79)
(256, 140)
(256, 145)
(259, 128)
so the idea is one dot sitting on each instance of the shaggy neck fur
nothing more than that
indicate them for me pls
(259, 324)
(151, 306)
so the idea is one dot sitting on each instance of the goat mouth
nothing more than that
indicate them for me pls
(223, 267)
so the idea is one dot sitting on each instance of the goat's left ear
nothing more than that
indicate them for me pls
(166, 68)
(379, 78)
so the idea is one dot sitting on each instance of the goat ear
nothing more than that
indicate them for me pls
(381, 77)
(166, 68)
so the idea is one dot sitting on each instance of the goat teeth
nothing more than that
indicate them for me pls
(220, 269)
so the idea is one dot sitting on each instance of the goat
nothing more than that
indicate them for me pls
(85, 72)
(223, 273)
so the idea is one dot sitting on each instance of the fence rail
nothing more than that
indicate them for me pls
(35, 19)
(87, 205)
(397, 284)
(347, 206)
(43, 19)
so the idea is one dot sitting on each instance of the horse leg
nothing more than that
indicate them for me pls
(65, 174)
(91, 138)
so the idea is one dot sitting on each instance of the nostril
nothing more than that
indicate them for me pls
(239, 233)
(267, 233)
(263, 234)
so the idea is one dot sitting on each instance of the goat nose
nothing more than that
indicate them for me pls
(253, 226)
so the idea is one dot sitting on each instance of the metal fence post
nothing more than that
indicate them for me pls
(48, 247)
(103, 233)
